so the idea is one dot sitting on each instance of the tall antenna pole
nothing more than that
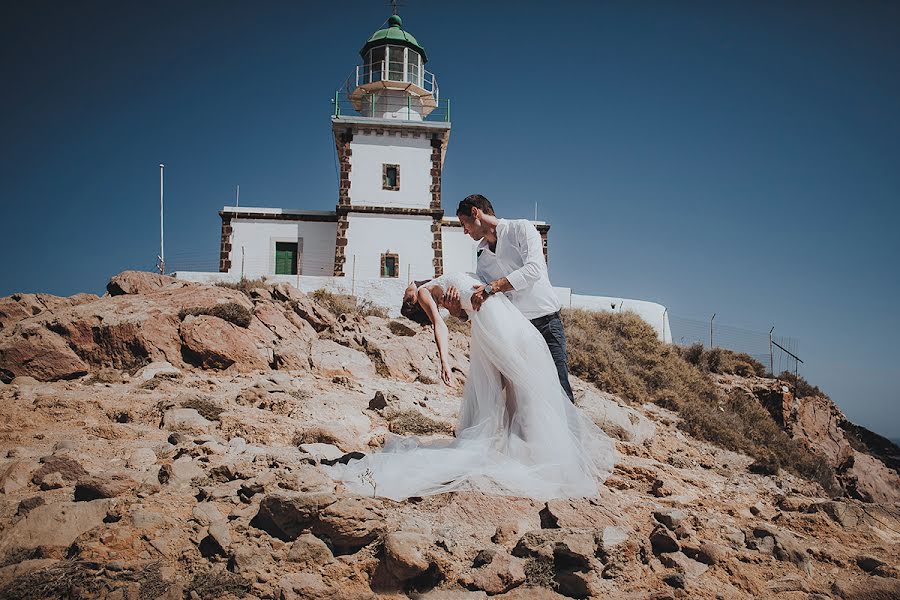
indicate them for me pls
(237, 198)
(162, 248)
(535, 210)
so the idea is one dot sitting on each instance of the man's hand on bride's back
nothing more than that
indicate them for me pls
(478, 296)
(451, 300)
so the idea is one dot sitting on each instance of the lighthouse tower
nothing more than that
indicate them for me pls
(391, 131)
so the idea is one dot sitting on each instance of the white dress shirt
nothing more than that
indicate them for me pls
(519, 256)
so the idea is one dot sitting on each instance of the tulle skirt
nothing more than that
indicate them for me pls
(517, 434)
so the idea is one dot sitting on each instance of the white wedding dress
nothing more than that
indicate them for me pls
(517, 434)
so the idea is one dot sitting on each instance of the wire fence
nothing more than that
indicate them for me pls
(384, 106)
(778, 353)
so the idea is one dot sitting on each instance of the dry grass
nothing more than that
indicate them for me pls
(342, 304)
(413, 422)
(227, 311)
(621, 354)
(245, 285)
(722, 361)
(458, 325)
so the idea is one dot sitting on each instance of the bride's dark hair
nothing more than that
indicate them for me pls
(412, 311)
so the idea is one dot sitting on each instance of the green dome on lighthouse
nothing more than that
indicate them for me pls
(393, 34)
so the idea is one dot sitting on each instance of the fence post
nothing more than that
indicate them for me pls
(711, 331)
(771, 353)
(448, 110)
(408, 108)
(337, 106)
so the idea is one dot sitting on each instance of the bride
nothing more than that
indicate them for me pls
(517, 433)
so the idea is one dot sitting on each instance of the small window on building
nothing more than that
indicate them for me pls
(285, 258)
(391, 177)
(390, 265)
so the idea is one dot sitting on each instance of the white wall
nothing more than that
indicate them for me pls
(254, 240)
(459, 251)
(656, 315)
(410, 237)
(371, 152)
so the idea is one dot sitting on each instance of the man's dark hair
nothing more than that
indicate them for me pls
(474, 201)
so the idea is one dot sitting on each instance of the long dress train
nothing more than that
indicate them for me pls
(517, 433)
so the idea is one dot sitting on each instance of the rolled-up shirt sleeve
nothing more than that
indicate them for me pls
(529, 242)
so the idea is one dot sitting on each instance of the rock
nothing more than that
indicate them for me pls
(676, 580)
(712, 553)
(286, 516)
(141, 458)
(185, 420)
(206, 513)
(577, 513)
(406, 554)
(691, 569)
(218, 531)
(662, 488)
(213, 343)
(319, 317)
(157, 369)
(501, 574)
(103, 486)
(181, 472)
(845, 514)
(663, 540)
(304, 586)
(140, 282)
(670, 517)
(28, 504)
(330, 358)
(322, 451)
(869, 563)
(15, 475)
(509, 532)
(68, 468)
(350, 523)
(578, 584)
(309, 550)
(33, 350)
(786, 546)
(617, 420)
(53, 481)
(53, 527)
(378, 402)
(568, 548)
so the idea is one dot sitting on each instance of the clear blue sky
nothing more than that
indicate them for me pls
(737, 158)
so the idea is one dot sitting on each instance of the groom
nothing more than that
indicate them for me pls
(511, 260)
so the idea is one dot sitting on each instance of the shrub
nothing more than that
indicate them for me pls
(621, 354)
(227, 311)
(344, 304)
(207, 408)
(802, 388)
(245, 285)
(722, 361)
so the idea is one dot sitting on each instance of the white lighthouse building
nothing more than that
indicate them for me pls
(391, 132)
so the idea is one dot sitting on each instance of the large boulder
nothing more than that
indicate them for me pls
(53, 527)
(140, 282)
(330, 358)
(611, 415)
(31, 349)
(212, 343)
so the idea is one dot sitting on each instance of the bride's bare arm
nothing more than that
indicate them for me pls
(426, 301)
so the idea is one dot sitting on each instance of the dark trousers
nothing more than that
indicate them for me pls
(551, 328)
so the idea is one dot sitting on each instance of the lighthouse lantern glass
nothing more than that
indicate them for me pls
(395, 62)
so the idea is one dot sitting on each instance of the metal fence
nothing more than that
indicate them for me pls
(777, 352)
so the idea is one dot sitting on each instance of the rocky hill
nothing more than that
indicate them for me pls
(164, 441)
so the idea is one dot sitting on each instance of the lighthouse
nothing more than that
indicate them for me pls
(391, 131)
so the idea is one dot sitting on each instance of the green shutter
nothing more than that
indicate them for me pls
(285, 258)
